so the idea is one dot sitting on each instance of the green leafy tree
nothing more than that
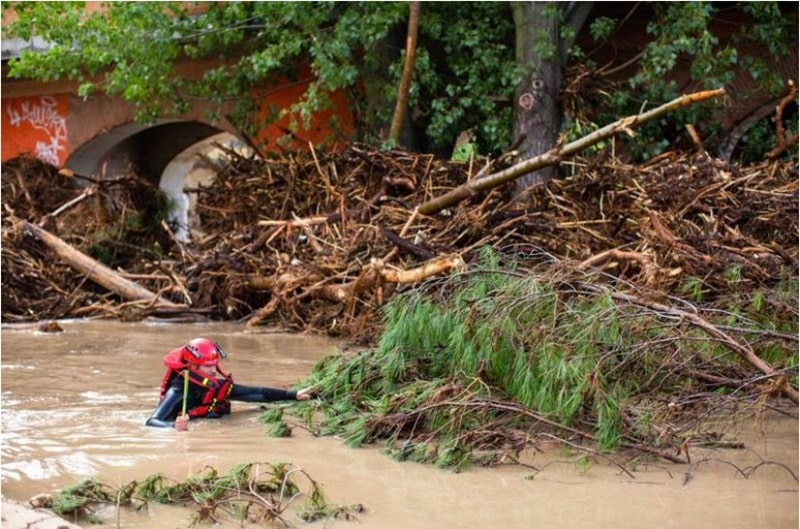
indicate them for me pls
(495, 69)
(134, 49)
(681, 33)
(683, 42)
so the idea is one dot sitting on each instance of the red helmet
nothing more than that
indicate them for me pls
(201, 351)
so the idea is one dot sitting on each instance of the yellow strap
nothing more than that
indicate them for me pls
(185, 389)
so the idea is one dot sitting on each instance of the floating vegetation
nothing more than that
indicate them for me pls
(506, 356)
(255, 493)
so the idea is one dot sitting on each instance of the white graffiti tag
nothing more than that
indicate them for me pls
(42, 116)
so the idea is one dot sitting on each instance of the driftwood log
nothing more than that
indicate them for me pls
(96, 271)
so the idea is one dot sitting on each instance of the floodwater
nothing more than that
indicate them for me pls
(74, 406)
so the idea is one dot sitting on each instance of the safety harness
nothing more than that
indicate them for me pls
(215, 397)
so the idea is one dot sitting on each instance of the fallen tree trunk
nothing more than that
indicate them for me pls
(97, 272)
(555, 155)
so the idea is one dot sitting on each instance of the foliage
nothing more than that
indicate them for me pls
(77, 498)
(681, 34)
(136, 46)
(465, 70)
(503, 353)
(760, 138)
(258, 492)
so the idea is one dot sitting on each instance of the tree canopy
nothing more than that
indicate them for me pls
(467, 70)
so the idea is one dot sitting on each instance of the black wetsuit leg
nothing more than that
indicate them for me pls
(168, 409)
(170, 406)
(260, 394)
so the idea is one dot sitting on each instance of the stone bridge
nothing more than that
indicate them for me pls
(97, 137)
(49, 121)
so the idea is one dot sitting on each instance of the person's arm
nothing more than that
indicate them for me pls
(260, 394)
(168, 409)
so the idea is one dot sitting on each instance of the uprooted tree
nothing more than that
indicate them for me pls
(502, 358)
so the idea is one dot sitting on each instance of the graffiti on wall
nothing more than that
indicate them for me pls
(37, 126)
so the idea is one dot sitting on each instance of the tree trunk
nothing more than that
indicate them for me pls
(408, 69)
(537, 112)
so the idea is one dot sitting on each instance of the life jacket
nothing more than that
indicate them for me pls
(217, 390)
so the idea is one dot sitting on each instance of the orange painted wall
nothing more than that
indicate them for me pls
(273, 136)
(35, 125)
(38, 124)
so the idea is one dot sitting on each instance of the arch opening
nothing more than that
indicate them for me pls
(167, 154)
(145, 148)
(189, 170)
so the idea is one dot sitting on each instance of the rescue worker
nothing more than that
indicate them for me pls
(209, 391)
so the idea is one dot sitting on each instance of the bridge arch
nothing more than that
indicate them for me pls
(189, 170)
(166, 153)
(146, 148)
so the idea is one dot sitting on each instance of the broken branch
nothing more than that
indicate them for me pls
(555, 155)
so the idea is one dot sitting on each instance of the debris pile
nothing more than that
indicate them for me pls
(671, 287)
(320, 241)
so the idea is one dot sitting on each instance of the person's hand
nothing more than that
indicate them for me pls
(182, 423)
(304, 394)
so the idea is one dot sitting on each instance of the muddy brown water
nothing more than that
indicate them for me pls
(74, 406)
